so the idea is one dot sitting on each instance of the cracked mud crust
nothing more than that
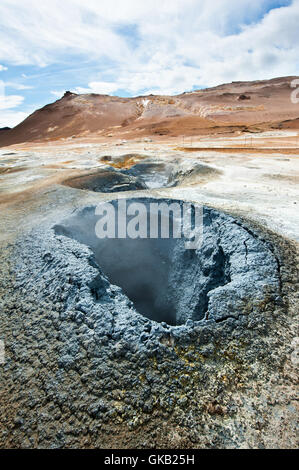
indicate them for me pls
(230, 273)
(73, 378)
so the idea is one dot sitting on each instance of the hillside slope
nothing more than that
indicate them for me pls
(229, 107)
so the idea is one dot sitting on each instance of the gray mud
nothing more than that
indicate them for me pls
(169, 283)
(106, 181)
(89, 365)
(145, 175)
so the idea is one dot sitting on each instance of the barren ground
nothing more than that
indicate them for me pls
(256, 179)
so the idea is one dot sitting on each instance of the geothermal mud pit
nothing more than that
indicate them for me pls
(118, 337)
(167, 282)
(146, 175)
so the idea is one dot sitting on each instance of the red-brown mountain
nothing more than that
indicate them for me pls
(231, 107)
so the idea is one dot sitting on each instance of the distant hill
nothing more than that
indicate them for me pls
(257, 105)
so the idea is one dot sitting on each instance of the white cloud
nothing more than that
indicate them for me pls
(174, 44)
(10, 101)
(154, 79)
(12, 118)
(104, 88)
(2, 68)
(8, 116)
(18, 86)
(57, 94)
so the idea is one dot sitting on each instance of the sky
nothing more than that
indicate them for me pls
(138, 47)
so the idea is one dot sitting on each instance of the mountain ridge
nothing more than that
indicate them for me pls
(231, 107)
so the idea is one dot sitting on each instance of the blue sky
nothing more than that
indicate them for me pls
(135, 47)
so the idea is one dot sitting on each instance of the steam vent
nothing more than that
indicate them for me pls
(170, 284)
